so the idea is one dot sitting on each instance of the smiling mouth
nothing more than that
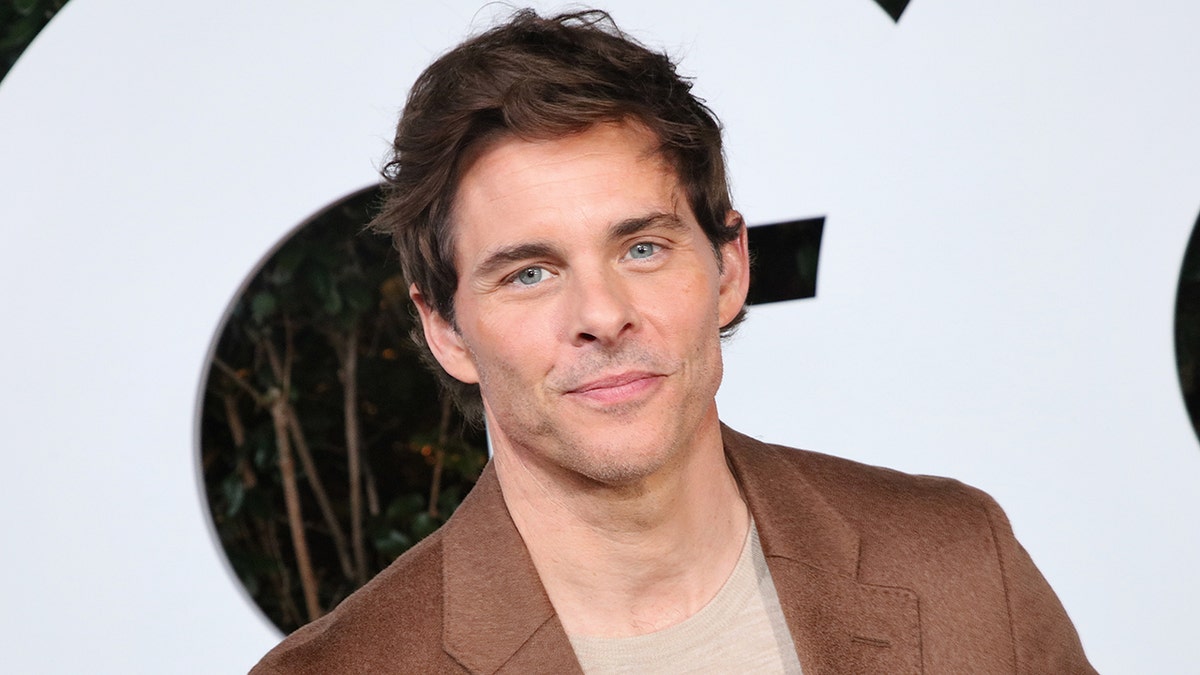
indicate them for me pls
(619, 388)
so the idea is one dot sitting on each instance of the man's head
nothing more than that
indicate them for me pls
(536, 78)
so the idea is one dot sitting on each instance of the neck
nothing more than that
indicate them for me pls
(622, 560)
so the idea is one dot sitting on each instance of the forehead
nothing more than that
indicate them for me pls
(506, 160)
(514, 187)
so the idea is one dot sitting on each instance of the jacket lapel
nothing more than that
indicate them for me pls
(838, 625)
(497, 617)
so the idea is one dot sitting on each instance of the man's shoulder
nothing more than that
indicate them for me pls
(394, 619)
(840, 477)
(873, 498)
(948, 544)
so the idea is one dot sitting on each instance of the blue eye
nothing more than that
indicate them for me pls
(530, 276)
(643, 249)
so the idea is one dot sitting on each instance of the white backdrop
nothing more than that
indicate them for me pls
(1008, 187)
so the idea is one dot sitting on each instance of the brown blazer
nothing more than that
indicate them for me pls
(877, 572)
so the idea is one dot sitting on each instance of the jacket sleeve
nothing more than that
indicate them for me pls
(1044, 639)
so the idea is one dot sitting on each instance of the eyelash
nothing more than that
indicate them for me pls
(654, 249)
(515, 278)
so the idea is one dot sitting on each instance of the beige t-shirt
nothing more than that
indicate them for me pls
(741, 630)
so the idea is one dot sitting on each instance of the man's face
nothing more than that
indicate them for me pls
(589, 303)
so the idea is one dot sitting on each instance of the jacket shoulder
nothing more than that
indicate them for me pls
(904, 522)
(865, 493)
(949, 543)
(391, 624)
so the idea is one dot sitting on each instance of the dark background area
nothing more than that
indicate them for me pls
(1187, 328)
(326, 446)
(20, 22)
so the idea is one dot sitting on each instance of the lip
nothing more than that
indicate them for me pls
(617, 388)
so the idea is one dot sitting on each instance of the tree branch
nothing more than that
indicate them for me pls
(237, 431)
(318, 487)
(291, 498)
(372, 491)
(346, 347)
(236, 378)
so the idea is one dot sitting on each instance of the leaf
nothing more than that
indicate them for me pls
(403, 507)
(423, 525)
(333, 302)
(262, 441)
(263, 306)
(286, 262)
(234, 492)
(250, 581)
(393, 543)
(449, 500)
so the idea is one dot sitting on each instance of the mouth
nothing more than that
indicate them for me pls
(618, 388)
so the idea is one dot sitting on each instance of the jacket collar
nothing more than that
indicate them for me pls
(498, 618)
(838, 625)
(496, 612)
(768, 481)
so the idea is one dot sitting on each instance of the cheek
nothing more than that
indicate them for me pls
(511, 343)
(696, 300)
(688, 319)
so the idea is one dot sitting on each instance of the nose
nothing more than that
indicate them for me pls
(601, 307)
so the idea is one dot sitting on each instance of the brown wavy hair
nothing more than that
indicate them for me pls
(535, 78)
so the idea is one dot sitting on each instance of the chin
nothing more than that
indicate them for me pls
(618, 474)
(612, 448)
(619, 464)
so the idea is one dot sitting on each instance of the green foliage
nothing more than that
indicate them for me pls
(329, 288)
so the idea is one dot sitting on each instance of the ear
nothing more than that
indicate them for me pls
(444, 341)
(735, 274)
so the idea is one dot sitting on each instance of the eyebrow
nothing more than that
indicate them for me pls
(632, 226)
(506, 256)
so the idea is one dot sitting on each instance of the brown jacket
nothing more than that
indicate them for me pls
(877, 572)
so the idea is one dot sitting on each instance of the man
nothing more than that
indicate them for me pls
(559, 201)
